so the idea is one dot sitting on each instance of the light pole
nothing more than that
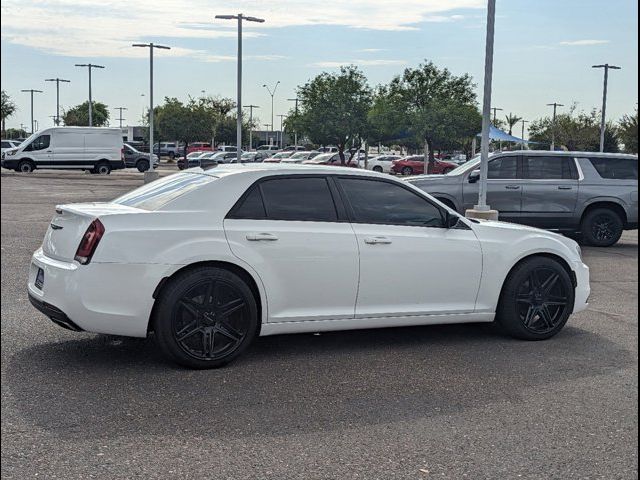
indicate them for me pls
(522, 136)
(272, 93)
(495, 109)
(282, 117)
(606, 67)
(57, 80)
(251, 107)
(32, 91)
(482, 210)
(555, 106)
(120, 119)
(268, 127)
(151, 46)
(295, 132)
(239, 17)
(89, 66)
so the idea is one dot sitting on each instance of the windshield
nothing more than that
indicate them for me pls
(465, 167)
(299, 155)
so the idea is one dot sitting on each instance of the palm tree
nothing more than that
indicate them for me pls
(7, 108)
(512, 121)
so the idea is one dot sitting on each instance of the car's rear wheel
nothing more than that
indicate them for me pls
(377, 169)
(142, 165)
(536, 300)
(407, 170)
(172, 155)
(26, 166)
(205, 317)
(102, 168)
(602, 227)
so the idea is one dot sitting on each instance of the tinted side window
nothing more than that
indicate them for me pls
(301, 199)
(6, 145)
(389, 204)
(252, 207)
(503, 168)
(616, 168)
(549, 168)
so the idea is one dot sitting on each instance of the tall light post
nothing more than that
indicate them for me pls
(555, 106)
(32, 91)
(90, 66)
(522, 135)
(239, 17)
(251, 107)
(272, 93)
(295, 132)
(495, 110)
(57, 80)
(606, 67)
(150, 174)
(282, 117)
(482, 210)
(120, 119)
(268, 127)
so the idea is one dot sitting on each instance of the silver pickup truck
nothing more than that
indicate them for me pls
(593, 194)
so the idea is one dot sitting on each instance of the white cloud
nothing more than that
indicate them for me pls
(373, 50)
(581, 43)
(359, 63)
(87, 28)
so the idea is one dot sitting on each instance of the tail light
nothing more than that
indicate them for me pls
(89, 242)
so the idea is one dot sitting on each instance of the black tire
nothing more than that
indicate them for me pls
(407, 170)
(172, 155)
(102, 168)
(377, 169)
(532, 309)
(601, 227)
(142, 165)
(26, 166)
(182, 308)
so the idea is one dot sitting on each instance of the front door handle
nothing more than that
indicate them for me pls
(565, 187)
(512, 187)
(261, 237)
(377, 240)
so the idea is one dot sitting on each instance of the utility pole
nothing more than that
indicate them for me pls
(495, 109)
(55, 119)
(251, 107)
(239, 17)
(268, 127)
(57, 80)
(555, 106)
(120, 119)
(272, 93)
(32, 91)
(295, 132)
(150, 175)
(282, 117)
(522, 136)
(89, 66)
(606, 67)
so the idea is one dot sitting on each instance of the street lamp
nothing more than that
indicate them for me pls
(606, 67)
(120, 109)
(522, 136)
(32, 91)
(57, 80)
(495, 109)
(282, 117)
(240, 17)
(272, 93)
(251, 107)
(295, 132)
(151, 46)
(555, 106)
(89, 66)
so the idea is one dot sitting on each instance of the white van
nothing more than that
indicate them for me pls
(98, 150)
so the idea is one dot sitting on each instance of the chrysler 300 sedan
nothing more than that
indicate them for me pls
(210, 259)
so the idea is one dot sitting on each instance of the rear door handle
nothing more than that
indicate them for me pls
(261, 237)
(512, 187)
(565, 187)
(377, 240)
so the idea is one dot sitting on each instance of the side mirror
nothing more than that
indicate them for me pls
(450, 220)
(474, 176)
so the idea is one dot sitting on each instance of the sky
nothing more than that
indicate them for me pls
(544, 50)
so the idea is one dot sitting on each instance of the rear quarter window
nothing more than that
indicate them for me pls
(616, 168)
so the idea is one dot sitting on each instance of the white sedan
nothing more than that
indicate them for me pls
(210, 259)
(381, 163)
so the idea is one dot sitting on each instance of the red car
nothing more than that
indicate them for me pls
(199, 147)
(414, 165)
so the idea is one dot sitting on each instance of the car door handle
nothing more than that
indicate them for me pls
(49, 151)
(261, 237)
(377, 240)
(565, 187)
(512, 187)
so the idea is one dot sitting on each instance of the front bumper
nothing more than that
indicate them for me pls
(583, 287)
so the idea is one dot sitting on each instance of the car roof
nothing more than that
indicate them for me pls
(286, 168)
(563, 153)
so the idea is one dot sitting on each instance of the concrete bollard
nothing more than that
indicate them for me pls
(150, 176)
(482, 214)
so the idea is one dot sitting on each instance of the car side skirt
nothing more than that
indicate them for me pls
(310, 326)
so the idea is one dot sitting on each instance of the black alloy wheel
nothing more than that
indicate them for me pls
(602, 227)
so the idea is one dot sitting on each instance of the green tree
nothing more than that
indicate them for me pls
(15, 133)
(576, 131)
(427, 106)
(78, 116)
(7, 109)
(628, 131)
(512, 121)
(333, 110)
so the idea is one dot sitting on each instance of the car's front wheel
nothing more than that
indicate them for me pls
(377, 169)
(536, 300)
(602, 227)
(142, 165)
(407, 171)
(205, 317)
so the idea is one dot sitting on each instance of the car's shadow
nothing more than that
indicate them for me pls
(98, 386)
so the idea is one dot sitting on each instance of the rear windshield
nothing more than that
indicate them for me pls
(155, 195)
(616, 168)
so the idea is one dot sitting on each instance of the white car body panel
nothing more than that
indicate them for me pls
(318, 276)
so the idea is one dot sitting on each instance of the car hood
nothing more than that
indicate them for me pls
(452, 179)
(514, 228)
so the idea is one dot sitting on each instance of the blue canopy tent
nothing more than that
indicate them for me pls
(497, 134)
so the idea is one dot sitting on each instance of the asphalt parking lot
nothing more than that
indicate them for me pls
(407, 403)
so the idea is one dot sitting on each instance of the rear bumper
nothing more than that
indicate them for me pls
(56, 315)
